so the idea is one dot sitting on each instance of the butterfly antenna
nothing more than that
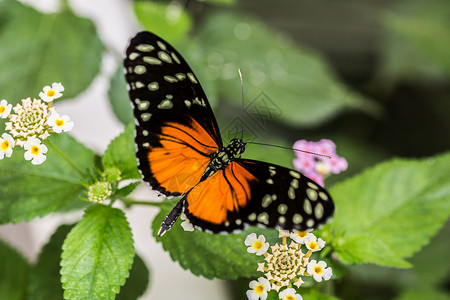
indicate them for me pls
(243, 103)
(255, 143)
(298, 150)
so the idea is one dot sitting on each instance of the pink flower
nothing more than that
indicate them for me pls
(305, 146)
(325, 147)
(338, 164)
(305, 163)
(316, 177)
(318, 167)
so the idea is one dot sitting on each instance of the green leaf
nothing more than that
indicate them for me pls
(29, 191)
(416, 40)
(170, 21)
(389, 212)
(97, 255)
(119, 99)
(306, 293)
(226, 2)
(39, 49)
(272, 295)
(314, 294)
(137, 283)
(121, 154)
(45, 280)
(424, 294)
(126, 190)
(13, 273)
(297, 81)
(426, 261)
(274, 155)
(222, 256)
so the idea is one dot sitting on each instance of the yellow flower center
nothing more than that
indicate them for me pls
(59, 122)
(290, 297)
(313, 245)
(51, 93)
(4, 145)
(259, 289)
(302, 234)
(35, 150)
(318, 270)
(2, 109)
(257, 245)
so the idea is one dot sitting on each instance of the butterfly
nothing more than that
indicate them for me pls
(180, 153)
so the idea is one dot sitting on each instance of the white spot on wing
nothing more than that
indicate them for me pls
(152, 60)
(145, 116)
(161, 45)
(145, 47)
(263, 218)
(133, 55)
(192, 78)
(153, 86)
(294, 174)
(307, 206)
(312, 194)
(175, 58)
(170, 79)
(140, 69)
(318, 210)
(165, 57)
(291, 193)
(323, 196)
(282, 208)
(165, 104)
(297, 219)
(266, 201)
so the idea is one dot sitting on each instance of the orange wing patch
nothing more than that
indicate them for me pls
(176, 165)
(227, 190)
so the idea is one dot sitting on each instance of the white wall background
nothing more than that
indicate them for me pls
(96, 126)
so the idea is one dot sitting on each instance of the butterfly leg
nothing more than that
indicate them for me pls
(171, 217)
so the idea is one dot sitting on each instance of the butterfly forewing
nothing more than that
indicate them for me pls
(175, 128)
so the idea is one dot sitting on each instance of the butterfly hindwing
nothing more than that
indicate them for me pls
(175, 128)
(249, 192)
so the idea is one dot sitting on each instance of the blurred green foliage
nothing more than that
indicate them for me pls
(13, 273)
(417, 41)
(168, 20)
(373, 228)
(38, 49)
(44, 279)
(97, 254)
(373, 76)
(50, 187)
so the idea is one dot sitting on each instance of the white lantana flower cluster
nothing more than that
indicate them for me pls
(31, 122)
(285, 264)
(99, 191)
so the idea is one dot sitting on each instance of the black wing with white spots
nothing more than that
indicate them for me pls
(171, 112)
(284, 198)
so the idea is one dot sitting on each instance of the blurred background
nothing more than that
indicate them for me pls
(373, 76)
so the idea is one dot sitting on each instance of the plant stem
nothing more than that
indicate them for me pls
(66, 158)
